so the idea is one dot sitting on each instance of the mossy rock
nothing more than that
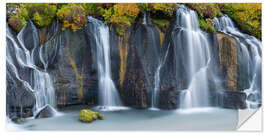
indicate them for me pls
(88, 116)
(101, 117)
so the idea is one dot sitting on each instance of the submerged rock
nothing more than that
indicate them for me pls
(19, 120)
(232, 99)
(88, 116)
(46, 112)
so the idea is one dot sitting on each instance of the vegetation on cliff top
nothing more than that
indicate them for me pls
(206, 12)
(72, 16)
(246, 15)
(122, 15)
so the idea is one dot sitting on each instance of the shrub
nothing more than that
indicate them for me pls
(165, 8)
(205, 10)
(72, 16)
(144, 7)
(42, 14)
(19, 18)
(121, 15)
(94, 9)
(246, 15)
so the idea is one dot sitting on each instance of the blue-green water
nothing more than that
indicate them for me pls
(152, 120)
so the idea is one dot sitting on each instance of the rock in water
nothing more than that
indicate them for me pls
(88, 116)
(19, 120)
(46, 112)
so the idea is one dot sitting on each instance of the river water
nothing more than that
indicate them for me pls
(143, 120)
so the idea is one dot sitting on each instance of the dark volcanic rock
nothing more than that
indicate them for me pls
(233, 100)
(19, 98)
(29, 36)
(71, 66)
(45, 112)
(169, 99)
(228, 60)
(141, 65)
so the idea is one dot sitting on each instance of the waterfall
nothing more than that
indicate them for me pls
(144, 18)
(19, 60)
(250, 53)
(108, 94)
(198, 58)
(157, 80)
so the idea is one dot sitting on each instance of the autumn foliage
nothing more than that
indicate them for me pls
(122, 15)
(72, 16)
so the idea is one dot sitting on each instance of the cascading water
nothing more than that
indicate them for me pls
(40, 83)
(198, 55)
(108, 94)
(249, 51)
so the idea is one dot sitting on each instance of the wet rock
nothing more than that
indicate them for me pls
(71, 65)
(45, 112)
(19, 120)
(253, 97)
(19, 98)
(29, 36)
(140, 66)
(228, 60)
(232, 99)
(168, 99)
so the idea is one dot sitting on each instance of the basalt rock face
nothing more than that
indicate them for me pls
(20, 99)
(74, 77)
(228, 60)
(232, 99)
(67, 57)
(139, 59)
(231, 65)
(70, 58)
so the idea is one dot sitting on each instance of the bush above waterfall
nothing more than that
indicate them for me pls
(42, 14)
(18, 16)
(246, 15)
(122, 15)
(165, 8)
(205, 10)
(72, 16)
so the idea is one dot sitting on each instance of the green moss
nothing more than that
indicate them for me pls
(163, 24)
(206, 26)
(88, 116)
(247, 16)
